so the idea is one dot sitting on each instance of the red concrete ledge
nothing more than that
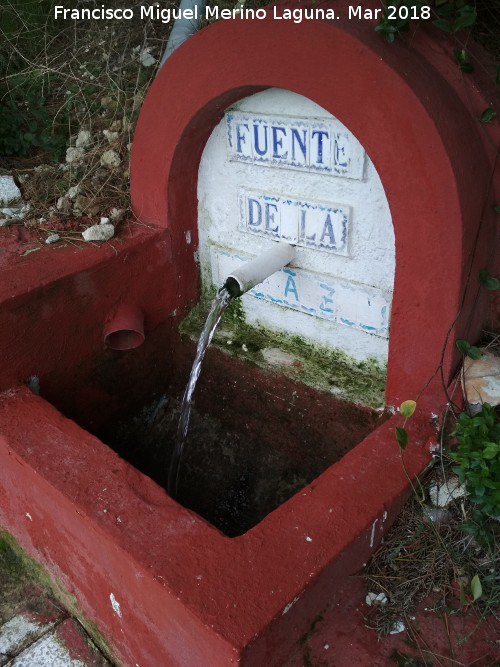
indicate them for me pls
(165, 587)
(27, 264)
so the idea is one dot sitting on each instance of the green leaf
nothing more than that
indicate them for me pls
(402, 437)
(488, 115)
(444, 8)
(469, 350)
(476, 588)
(407, 408)
(465, 20)
(474, 352)
(488, 281)
(463, 60)
(443, 24)
(491, 450)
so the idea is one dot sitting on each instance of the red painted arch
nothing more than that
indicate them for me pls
(407, 117)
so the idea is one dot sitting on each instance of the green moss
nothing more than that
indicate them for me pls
(11, 559)
(323, 368)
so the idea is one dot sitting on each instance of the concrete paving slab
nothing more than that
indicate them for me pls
(26, 627)
(35, 630)
(65, 646)
(46, 652)
(18, 633)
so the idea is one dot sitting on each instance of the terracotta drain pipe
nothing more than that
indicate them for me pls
(124, 329)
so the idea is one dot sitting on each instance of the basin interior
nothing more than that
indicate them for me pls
(255, 438)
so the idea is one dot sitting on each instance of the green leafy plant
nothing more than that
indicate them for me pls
(455, 16)
(397, 15)
(479, 526)
(478, 456)
(26, 122)
(451, 16)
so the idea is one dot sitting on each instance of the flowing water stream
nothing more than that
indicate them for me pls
(219, 304)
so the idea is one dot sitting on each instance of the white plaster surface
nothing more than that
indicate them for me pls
(368, 258)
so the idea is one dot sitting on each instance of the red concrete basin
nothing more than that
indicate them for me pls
(161, 584)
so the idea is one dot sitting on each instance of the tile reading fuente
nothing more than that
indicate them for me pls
(304, 144)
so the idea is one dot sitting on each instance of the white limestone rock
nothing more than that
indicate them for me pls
(110, 159)
(73, 154)
(74, 191)
(83, 139)
(16, 212)
(147, 60)
(376, 599)
(117, 214)
(9, 192)
(398, 627)
(441, 495)
(111, 136)
(100, 232)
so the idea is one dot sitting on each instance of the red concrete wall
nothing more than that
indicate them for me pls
(53, 309)
(405, 112)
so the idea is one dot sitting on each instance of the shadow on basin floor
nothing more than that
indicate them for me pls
(245, 455)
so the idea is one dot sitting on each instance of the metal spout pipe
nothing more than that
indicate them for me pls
(257, 270)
